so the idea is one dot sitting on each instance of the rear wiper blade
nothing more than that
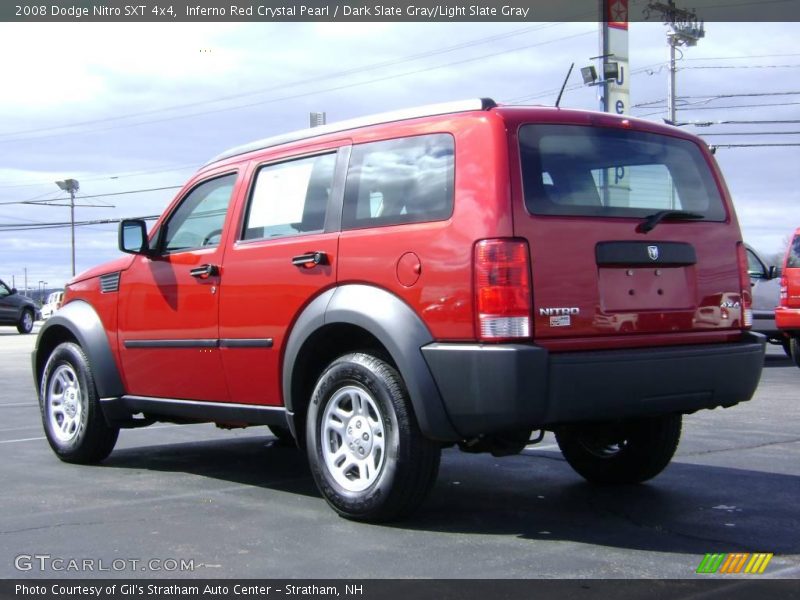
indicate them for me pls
(650, 221)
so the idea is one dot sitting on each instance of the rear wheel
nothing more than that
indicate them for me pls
(628, 452)
(794, 349)
(71, 413)
(367, 454)
(25, 324)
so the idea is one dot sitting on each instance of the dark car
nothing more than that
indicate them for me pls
(16, 309)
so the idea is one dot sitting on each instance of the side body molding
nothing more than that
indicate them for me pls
(83, 324)
(396, 326)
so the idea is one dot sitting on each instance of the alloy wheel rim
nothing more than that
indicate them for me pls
(353, 438)
(64, 403)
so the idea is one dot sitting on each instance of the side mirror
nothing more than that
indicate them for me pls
(773, 272)
(13, 291)
(133, 236)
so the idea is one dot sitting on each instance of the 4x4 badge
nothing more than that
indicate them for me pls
(652, 252)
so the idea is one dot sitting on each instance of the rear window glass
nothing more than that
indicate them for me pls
(594, 171)
(793, 256)
(407, 180)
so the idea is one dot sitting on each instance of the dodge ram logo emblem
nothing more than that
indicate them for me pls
(652, 252)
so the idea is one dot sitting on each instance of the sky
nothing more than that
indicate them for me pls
(129, 107)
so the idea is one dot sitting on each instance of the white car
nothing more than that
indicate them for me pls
(53, 303)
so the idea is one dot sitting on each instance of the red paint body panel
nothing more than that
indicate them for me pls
(787, 315)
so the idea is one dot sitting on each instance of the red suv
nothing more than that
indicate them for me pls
(382, 288)
(787, 315)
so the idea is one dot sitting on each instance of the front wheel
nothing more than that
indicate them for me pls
(367, 454)
(25, 324)
(73, 420)
(627, 452)
(794, 349)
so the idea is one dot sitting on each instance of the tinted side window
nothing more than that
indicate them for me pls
(198, 221)
(290, 198)
(793, 258)
(407, 180)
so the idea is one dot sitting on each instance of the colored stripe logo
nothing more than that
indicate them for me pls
(736, 562)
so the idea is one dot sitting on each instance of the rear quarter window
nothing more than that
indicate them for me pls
(405, 180)
(594, 171)
(793, 255)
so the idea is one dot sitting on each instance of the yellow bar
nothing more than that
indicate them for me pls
(767, 558)
(752, 566)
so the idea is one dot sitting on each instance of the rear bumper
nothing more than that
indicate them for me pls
(492, 388)
(787, 319)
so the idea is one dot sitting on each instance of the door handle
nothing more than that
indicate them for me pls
(310, 260)
(204, 271)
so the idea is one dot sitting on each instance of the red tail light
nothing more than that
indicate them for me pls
(784, 301)
(744, 284)
(502, 289)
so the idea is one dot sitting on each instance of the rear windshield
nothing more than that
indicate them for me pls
(604, 172)
(793, 256)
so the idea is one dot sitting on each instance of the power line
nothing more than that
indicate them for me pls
(750, 145)
(62, 224)
(731, 122)
(751, 133)
(741, 67)
(123, 175)
(693, 108)
(370, 67)
(44, 202)
(279, 99)
(711, 97)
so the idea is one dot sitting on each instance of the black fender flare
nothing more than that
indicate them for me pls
(396, 326)
(83, 324)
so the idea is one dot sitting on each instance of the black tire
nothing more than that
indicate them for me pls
(628, 452)
(25, 323)
(794, 349)
(285, 437)
(786, 344)
(71, 413)
(404, 463)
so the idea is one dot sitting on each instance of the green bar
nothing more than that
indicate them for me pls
(711, 563)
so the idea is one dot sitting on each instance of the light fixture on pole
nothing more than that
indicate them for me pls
(71, 186)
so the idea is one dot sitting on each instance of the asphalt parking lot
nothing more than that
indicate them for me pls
(239, 505)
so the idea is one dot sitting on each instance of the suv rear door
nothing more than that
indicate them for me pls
(628, 233)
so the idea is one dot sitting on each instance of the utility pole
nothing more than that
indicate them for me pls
(684, 30)
(71, 186)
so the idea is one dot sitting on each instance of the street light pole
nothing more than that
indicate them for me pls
(71, 186)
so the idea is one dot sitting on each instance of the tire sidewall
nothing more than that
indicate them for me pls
(69, 354)
(351, 371)
(21, 327)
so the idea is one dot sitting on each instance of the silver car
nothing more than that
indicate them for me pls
(765, 281)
